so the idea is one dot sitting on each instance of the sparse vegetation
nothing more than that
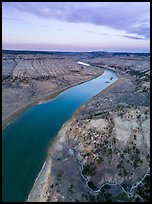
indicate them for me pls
(89, 169)
(100, 159)
(91, 185)
(59, 175)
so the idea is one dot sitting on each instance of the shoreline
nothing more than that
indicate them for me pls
(54, 141)
(18, 112)
(53, 147)
(42, 99)
(40, 182)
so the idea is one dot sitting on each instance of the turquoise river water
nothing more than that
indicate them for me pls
(26, 140)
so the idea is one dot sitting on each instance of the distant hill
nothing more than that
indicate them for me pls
(94, 53)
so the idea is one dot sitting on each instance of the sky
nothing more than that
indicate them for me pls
(76, 26)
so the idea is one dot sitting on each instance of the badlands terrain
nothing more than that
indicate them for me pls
(28, 78)
(102, 153)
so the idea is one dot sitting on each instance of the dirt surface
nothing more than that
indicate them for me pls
(103, 152)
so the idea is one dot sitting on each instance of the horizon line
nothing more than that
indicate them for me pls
(72, 51)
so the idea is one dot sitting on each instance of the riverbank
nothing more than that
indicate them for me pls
(31, 125)
(109, 136)
(58, 144)
(45, 98)
(28, 79)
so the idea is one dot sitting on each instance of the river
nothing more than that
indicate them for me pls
(26, 140)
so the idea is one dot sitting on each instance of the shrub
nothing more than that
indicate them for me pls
(91, 185)
(89, 169)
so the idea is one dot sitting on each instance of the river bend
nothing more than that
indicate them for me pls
(26, 140)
